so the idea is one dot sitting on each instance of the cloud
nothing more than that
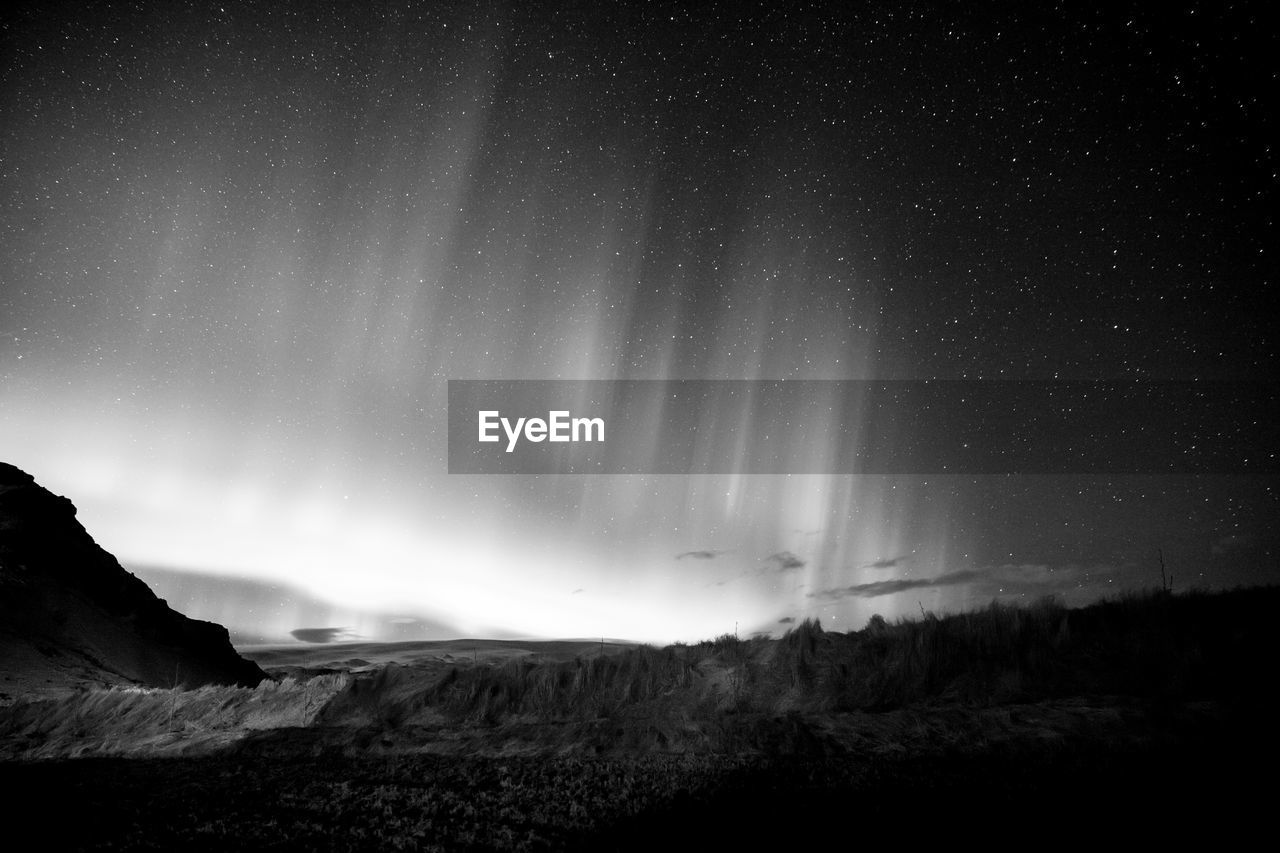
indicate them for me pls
(886, 562)
(786, 561)
(1000, 580)
(323, 635)
(786, 620)
(875, 589)
(577, 591)
(701, 555)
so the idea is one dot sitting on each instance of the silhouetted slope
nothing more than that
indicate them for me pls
(70, 614)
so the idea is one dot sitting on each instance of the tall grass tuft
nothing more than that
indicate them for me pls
(577, 689)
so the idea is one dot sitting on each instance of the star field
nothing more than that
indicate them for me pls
(243, 247)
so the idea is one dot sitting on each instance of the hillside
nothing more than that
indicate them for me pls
(1020, 713)
(72, 617)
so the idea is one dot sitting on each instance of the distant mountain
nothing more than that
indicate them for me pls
(70, 615)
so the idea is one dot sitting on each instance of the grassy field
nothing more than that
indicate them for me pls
(1178, 778)
(1001, 715)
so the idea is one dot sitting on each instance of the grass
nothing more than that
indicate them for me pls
(1153, 646)
(326, 800)
(741, 743)
(582, 688)
(127, 720)
(1148, 645)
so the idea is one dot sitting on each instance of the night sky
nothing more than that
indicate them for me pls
(243, 247)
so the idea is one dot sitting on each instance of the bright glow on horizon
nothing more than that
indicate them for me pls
(449, 551)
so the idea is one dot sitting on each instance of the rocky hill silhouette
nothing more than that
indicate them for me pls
(72, 616)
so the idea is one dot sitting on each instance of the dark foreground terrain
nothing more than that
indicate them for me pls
(1144, 720)
(1184, 777)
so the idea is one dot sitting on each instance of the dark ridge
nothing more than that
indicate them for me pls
(71, 616)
